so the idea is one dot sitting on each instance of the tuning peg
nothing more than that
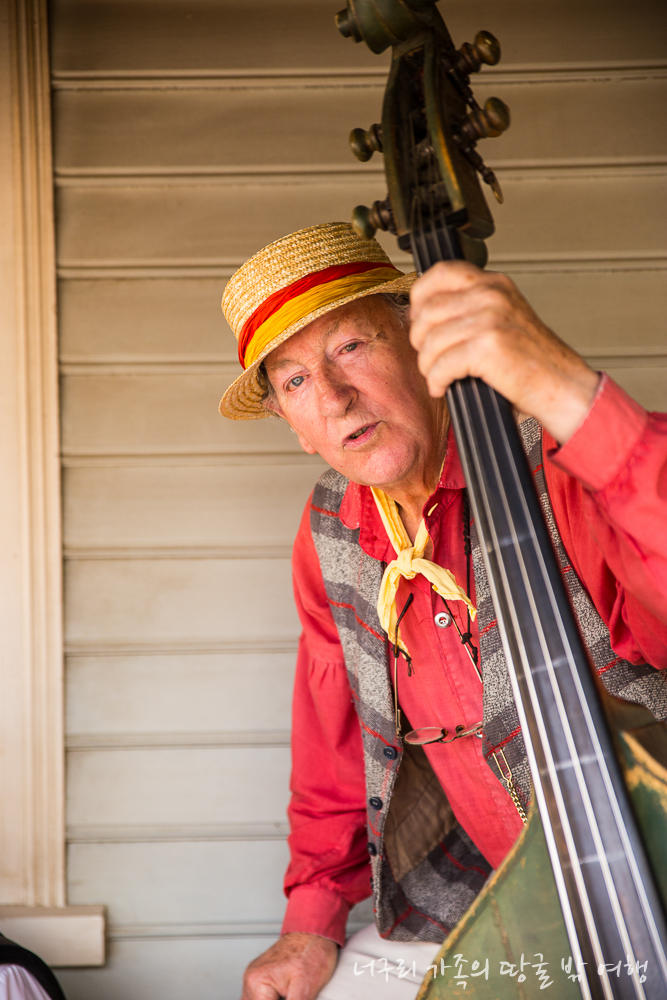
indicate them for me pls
(347, 24)
(367, 221)
(487, 122)
(364, 143)
(485, 50)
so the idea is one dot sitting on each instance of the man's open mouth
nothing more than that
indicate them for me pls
(362, 434)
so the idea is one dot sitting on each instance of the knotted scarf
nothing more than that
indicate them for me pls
(409, 561)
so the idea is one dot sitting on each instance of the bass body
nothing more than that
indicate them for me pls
(516, 923)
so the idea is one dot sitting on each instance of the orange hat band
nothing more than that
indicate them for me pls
(289, 305)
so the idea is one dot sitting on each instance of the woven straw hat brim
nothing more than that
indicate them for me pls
(243, 399)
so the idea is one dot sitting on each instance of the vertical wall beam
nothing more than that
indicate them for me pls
(32, 837)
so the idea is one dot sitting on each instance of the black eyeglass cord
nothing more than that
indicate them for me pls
(408, 660)
(397, 650)
(466, 637)
(467, 548)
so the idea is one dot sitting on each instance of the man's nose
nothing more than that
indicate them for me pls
(335, 391)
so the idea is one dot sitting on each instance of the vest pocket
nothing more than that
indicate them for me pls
(419, 815)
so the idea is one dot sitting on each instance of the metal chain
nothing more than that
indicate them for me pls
(507, 778)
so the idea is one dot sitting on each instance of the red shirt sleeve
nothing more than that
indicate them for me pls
(329, 869)
(608, 488)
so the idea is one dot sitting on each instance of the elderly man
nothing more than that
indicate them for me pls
(329, 344)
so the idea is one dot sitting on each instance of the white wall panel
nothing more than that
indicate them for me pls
(226, 128)
(240, 600)
(604, 311)
(245, 879)
(573, 215)
(241, 691)
(112, 34)
(164, 318)
(165, 413)
(648, 384)
(560, 121)
(208, 222)
(257, 33)
(189, 786)
(207, 505)
(205, 968)
(157, 318)
(211, 127)
(551, 215)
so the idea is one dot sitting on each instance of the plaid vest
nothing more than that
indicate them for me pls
(425, 902)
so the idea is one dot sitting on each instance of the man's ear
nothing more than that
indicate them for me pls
(306, 445)
(273, 405)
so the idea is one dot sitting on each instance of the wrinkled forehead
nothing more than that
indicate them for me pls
(362, 316)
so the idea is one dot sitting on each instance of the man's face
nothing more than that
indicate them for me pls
(349, 386)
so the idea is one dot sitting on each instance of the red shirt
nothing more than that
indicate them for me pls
(608, 489)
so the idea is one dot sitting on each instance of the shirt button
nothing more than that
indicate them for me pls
(375, 802)
(442, 619)
(390, 753)
(372, 849)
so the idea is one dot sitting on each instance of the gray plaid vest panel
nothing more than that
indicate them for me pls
(427, 902)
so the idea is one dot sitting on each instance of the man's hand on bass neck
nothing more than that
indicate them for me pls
(471, 322)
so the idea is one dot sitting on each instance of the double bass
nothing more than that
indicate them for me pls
(587, 880)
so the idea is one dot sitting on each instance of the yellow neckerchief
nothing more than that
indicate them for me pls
(409, 561)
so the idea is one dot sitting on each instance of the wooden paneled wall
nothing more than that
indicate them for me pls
(188, 135)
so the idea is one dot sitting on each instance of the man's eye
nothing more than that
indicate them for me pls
(295, 382)
(351, 347)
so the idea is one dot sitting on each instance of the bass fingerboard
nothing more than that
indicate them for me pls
(607, 892)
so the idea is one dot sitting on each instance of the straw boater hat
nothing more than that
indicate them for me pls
(289, 284)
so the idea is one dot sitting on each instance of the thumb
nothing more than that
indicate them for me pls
(264, 987)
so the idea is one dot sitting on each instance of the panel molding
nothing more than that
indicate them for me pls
(71, 364)
(104, 177)
(178, 366)
(236, 452)
(129, 551)
(251, 929)
(580, 168)
(161, 932)
(150, 366)
(86, 742)
(225, 79)
(224, 267)
(167, 459)
(175, 647)
(162, 833)
(180, 268)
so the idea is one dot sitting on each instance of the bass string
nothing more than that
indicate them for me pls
(462, 417)
(614, 903)
(427, 219)
(437, 220)
(427, 204)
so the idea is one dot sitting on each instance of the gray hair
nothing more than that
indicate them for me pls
(399, 304)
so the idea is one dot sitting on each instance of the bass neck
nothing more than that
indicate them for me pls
(607, 891)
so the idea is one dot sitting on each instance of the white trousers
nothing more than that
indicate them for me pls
(370, 968)
(16, 983)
